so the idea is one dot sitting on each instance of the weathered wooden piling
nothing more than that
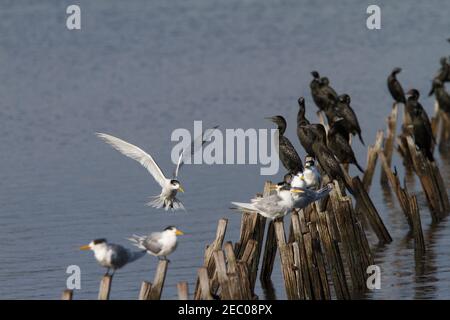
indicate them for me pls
(158, 282)
(270, 251)
(208, 261)
(183, 290)
(105, 287)
(203, 283)
(368, 210)
(302, 266)
(144, 292)
(372, 155)
(333, 258)
(354, 252)
(390, 139)
(287, 261)
(432, 182)
(67, 294)
(419, 242)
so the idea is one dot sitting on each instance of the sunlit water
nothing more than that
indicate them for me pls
(141, 69)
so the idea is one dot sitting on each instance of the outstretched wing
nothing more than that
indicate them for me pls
(137, 154)
(195, 145)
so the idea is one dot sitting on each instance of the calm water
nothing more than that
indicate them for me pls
(139, 70)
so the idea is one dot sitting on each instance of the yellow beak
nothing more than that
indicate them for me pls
(297, 190)
(86, 247)
(179, 233)
(273, 186)
(181, 188)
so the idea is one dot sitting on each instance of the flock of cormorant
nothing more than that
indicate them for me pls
(327, 150)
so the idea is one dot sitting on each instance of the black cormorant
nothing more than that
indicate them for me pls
(350, 122)
(395, 88)
(326, 158)
(338, 142)
(423, 135)
(442, 96)
(443, 74)
(288, 156)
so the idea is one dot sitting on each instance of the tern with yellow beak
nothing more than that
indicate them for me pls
(167, 198)
(112, 256)
(158, 244)
(273, 206)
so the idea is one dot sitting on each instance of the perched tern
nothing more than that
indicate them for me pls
(112, 256)
(167, 198)
(310, 177)
(273, 206)
(159, 244)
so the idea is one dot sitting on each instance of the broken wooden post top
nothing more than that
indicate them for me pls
(105, 287)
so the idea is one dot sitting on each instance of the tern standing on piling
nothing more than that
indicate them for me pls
(158, 244)
(112, 256)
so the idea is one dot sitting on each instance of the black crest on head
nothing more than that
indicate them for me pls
(174, 181)
(169, 228)
(98, 241)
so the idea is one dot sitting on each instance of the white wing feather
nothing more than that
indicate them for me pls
(137, 154)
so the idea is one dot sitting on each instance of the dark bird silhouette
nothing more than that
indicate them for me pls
(442, 96)
(343, 110)
(326, 89)
(395, 88)
(318, 93)
(338, 142)
(443, 73)
(326, 158)
(288, 156)
(421, 125)
(305, 138)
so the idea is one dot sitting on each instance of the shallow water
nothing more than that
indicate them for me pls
(139, 70)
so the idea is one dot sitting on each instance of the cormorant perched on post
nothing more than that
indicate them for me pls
(423, 135)
(320, 97)
(338, 142)
(288, 156)
(442, 96)
(327, 90)
(443, 74)
(306, 135)
(326, 158)
(302, 134)
(343, 110)
(395, 88)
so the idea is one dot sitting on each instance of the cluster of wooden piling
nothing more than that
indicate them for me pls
(325, 254)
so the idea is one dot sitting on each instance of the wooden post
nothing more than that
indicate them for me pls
(105, 288)
(208, 261)
(304, 266)
(429, 176)
(419, 242)
(368, 209)
(333, 257)
(158, 282)
(222, 276)
(144, 293)
(67, 294)
(319, 259)
(183, 290)
(247, 290)
(287, 261)
(203, 282)
(270, 252)
(353, 255)
(372, 156)
(390, 138)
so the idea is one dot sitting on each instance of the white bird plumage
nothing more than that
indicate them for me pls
(112, 256)
(159, 244)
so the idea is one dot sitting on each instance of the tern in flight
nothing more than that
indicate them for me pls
(167, 198)
(112, 256)
(158, 244)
